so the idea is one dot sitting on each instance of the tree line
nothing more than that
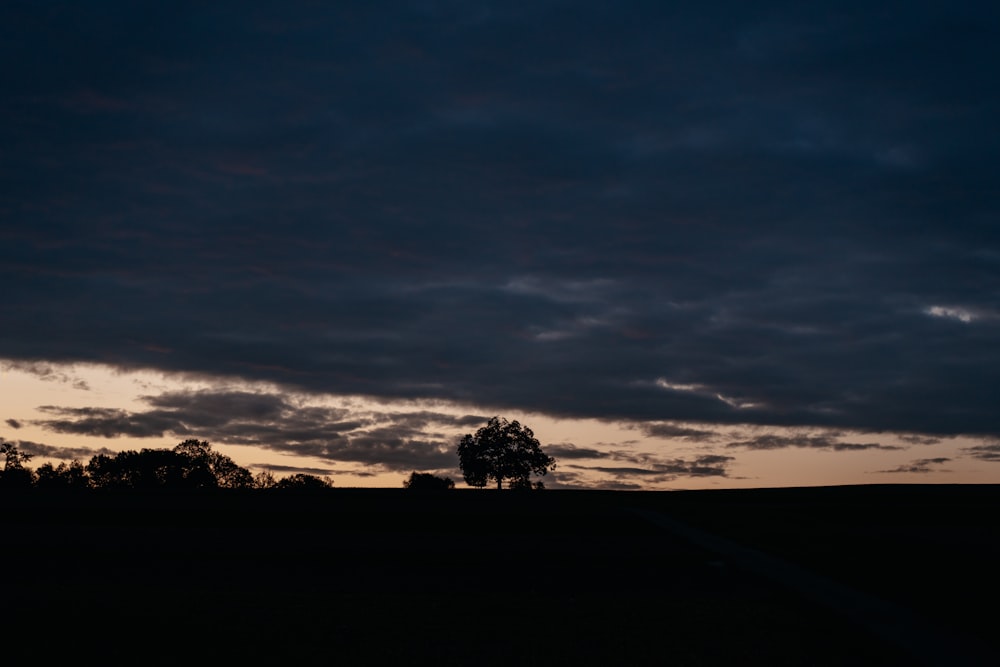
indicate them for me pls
(498, 452)
(192, 464)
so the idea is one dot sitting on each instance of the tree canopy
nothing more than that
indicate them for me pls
(14, 473)
(192, 464)
(502, 450)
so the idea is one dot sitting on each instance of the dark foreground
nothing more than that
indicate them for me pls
(481, 577)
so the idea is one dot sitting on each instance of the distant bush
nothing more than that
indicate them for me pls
(303, 482)
(424, 481)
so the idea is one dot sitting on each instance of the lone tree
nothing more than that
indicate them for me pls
(502, 450)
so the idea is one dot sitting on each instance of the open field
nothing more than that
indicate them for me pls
(480, 577)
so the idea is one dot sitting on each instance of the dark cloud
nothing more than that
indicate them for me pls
(385, 447)
(987, 452)
(83, 454)
(617, 485)
(822, 441)
(389, 440)
(915, 439)
(921, 466)
(46, 372)
(212, 408)
(764, 213)
(110, 422)
(661, 469)
(668, 430)
(571, 451)
(564, 478)
(13, 423)
(295, 470)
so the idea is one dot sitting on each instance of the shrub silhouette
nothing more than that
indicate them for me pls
(303, 482)
(424, 481)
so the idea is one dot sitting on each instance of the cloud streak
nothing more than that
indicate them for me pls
(921, 466)
(987, 452)
(419, 439)
(659, 470)
(827, 441)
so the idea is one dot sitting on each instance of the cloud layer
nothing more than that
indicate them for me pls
(763, 213)
(387, 441)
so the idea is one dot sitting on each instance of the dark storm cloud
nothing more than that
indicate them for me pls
(13, 423)
(921, 466)
(769, 213)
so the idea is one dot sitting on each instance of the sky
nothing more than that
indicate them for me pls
(691, 246)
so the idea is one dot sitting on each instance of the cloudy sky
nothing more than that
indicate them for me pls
(722, 244)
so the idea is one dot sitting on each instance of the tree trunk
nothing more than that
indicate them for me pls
(499, 483)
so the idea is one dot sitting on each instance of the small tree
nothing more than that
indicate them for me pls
(502, 450)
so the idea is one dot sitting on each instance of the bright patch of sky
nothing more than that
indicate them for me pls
(953, 313)
(377, 443)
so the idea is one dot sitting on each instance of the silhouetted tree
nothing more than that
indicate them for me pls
(216, 468)
(72, 477)
(145, 469)
(264, 480)
(502, 450)
(424, 481)
(12, 456)
(190, 465)
(304, 482)
(15, 475)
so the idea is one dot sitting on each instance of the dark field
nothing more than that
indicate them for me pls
(481, 577)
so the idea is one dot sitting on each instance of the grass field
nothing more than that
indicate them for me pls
(486, 578)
